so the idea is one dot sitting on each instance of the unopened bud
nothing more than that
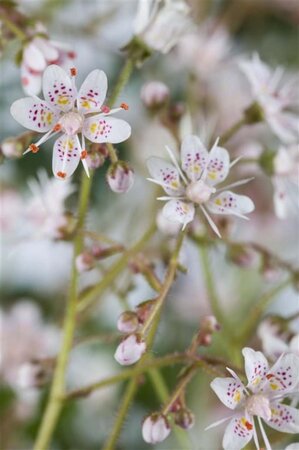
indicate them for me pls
(12, 148)
(127, 322)
(254, 113)
(209, 324)
(120, 177)
(84, 262)
(155, 428)
(144, 309)
(242, 255)
(154, 94)
(130, 350)
(184, 418)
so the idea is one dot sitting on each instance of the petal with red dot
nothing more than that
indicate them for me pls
(256, 367)
(218, 166)
(178, 211)
(194, 157)
(283, 376)
(284, 418)
(166, 174)
(34, 114)
(66, 156)
(229, 203)
(58, 88)
(93, 92)
(230, 391)
(106, 129)
(238, 432)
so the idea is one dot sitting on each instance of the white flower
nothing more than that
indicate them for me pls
(155, 429)
(45, 210)
(195, 183)
(275, 343)
(39, 53)
(161, 23)
(130, 350)
(261, 398)
(276, 100)
(68, 112)
(285, 181)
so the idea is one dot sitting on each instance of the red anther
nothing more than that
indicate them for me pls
(124, 106)
(269, 376)
(83, 154)
(71, 55)
(248, 425)
(61, 174)
(34, 148)
(57, 127)
(73, 71)
(105, 109)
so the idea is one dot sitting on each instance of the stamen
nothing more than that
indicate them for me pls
(61, 174)
(73, 71)
(124, 106)
(105, 109)
(248, 425)
(83, 154)
(33, 148)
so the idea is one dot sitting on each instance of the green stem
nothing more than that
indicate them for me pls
(210, 284)
(154, 320)
(54, 405)
(13, 27)
(87, 297)
(256, 313)
(227, 135)
(122, 81)
(112, 153)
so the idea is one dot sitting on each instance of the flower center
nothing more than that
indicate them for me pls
(259, 405)
(71, 123)
(199, 192)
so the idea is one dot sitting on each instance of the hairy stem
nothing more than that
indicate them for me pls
(54, 405)
(122, 81)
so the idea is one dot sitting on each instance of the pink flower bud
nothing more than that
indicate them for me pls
(154, 94)
(130, 350)
(155, 428)
(127, 322)
(209, 324)
(184, 418)
(120, 177)
(84, 262)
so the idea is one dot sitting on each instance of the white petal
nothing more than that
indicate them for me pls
(194, 157)
(31, 81)
(93, 92)
(166, 174)
(218, 165)
(33, 58)
(230, 391)
(48, 50)
(229, 203)
(282, 204)
(58, 88)
(178, 211)
(284, 418)
(106, 129)
(294, 446)
(256, 367)
(283, 376)
(238, 433)
(34, 114)
(66, 156)
(285, 125)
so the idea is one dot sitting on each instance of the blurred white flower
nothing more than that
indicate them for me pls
(276, 100)
(154, 94)
(120, 177)
(261, 398)
(39, 53)
(130, 350)
(67, 111)
(161, 23)
(155, 428)
(194, 183)
(275, 343)
(286, 182)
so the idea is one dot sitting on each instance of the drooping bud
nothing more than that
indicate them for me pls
(120, 177)
(127, 322)
(155, 428)
(84, 261)
(154, 94)
(143, 310)
(184, 418)
(130, 350)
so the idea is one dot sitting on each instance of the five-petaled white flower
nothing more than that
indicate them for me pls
(67, 111)
(261, 398)
(277, 101)
(195, 183)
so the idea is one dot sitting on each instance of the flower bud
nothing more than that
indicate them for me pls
(184, 418)
(130, 350)
(143, 310)
(120, 177)
(12, 148)
(154, 94)
(127, 322)
(84, 262)
(242, 255)
(155, 428)
(209, 324)
(95, 160)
